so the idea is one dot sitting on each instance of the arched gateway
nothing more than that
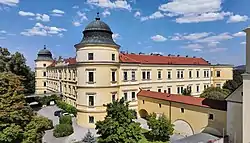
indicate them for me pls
(183, 128)
(143, 113)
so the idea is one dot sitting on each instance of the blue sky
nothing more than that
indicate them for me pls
(211, 29)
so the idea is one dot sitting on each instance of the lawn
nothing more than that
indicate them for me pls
(145, 138)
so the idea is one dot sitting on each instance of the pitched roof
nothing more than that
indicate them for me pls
(157, 59)
(190, 100)
(69, 61)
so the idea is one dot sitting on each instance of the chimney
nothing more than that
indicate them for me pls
(247, 30)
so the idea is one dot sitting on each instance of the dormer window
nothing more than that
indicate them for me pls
(90, 56)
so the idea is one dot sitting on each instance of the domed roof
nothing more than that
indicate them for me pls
(97, 24)
(44, 55)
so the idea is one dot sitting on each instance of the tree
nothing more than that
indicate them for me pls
(118, 125)
(16, 63)
(186, 92)
(161, 128)
(231, 85)
(89, 138)
(215, 93)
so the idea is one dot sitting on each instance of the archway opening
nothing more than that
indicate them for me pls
(143, 113)
(183, 128)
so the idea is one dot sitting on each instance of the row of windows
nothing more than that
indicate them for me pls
(58, 74)
(91, 56)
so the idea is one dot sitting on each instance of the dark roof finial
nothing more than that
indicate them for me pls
(44, 46)
(97, 16)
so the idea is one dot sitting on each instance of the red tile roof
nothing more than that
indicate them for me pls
(196, 101)
(69, 61)
(157, 59)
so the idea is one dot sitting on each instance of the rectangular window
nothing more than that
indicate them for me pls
(211, 117)
(190, 74)
(178, 90)
(182, 89)
(205, 74)
(113, 76)
(160, 105)
(113, 57)
(182, 110)
(217, 73)
(198, 74)
(182, 74)
(44, 84)
(91, 119)
(90, 56)
(44, 65)
(208, 73)
(169, 74)
(198, 88)
(178, 74)
(169, 90)
(125, 96)
(165, 91)
(159, 90)
(148, 75)
(143, 102)
(133, 75)
(125, 76)
(91, 100)
(113, 97)
(91, 76)
(44, 73)
(143, 75)
(133, 96)
(218, 85)
(159, 74)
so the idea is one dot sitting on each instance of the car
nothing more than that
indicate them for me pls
(58, 113)
(65, 114)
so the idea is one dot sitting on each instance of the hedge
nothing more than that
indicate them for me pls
(65, 120)
(63, 130)
(66, 107)
(46, 99)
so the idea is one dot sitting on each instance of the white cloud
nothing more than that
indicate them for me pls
(216, 38)
(243, 43)
(194, 47)
(158, 38)
(9, 2)
(80, 17)
(239, 34)
(75, 7)
(217, 49)
(213, 44)
(23, 13)
(237, 18)
(191, 37)
(120, 4)
(106, 13)
(42, 17)
(137, 14)
(57, 12)
(155, 15)
(42, 30)
(157, 53)
(116, 36)
(3, 32)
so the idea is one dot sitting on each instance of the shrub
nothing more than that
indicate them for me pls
(65, 120)
(63, 130)
(46, 99)
(66, 107)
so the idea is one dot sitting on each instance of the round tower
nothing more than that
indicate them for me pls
(43, 60)
(97, 57)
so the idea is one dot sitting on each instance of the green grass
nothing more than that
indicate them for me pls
(145, 140)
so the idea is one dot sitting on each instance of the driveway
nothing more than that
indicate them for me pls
(79, 132)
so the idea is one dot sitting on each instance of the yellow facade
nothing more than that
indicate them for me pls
(220, 74)
(195, 116)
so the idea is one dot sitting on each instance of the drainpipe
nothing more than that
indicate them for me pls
(170, 111)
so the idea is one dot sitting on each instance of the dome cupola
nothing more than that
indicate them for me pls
(44, 55)
(97, 32)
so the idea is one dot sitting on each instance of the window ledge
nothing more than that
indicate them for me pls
(133, 80)
(113, 82)
(125, 80)
(90, 82)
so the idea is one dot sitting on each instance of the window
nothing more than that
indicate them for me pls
(44, 84)
(198, 88)
(217, 73)
(148, 75)
(208, 73)
(113, 76)
(91, 100)
(44, 92)
(190, 74)
(159, 90)
(169, 90)
(160, 105)
(133, 75)
(211, 117)
(125, 75)
(143, 102)
(133, 96)
(91, 119)
(125, 96)
(143, 75)
(90, 56)
(159, 74)
(218, 85)
(180, 74)
(178, 90)
(205, 73)
(91, 76)
(113, 97)
(169, 74)
(182, 89)
(44, 73)
(211, 73)
(113, 57)
(165, 91)
(198, 74)
(44, 65)
(182, 110)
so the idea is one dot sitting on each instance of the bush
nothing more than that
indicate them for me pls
(65, 120)
(66, 107)
(63, 130)
(46, 99)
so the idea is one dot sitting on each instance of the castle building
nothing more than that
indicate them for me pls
(101, 73)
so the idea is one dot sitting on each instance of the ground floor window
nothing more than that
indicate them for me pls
(91, 119)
